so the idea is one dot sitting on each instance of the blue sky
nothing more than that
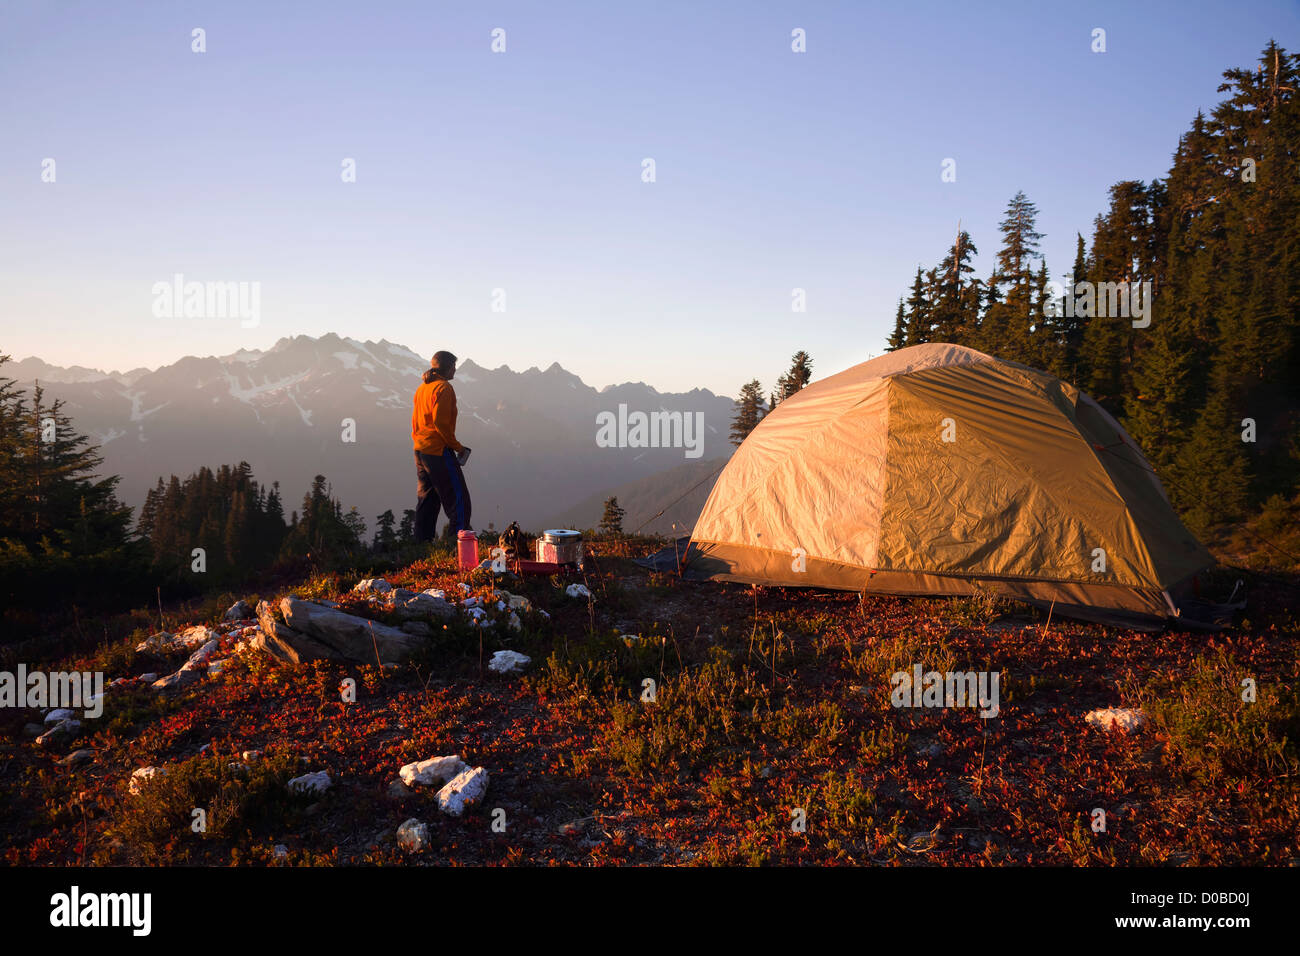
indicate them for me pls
(522, 170)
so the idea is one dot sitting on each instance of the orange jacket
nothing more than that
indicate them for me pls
(433, 418)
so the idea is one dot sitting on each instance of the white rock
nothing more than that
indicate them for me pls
(196, 636)
(142, 776)
(280, 851)
(373, 585)
(508, 662)
(467, 789)
(464, 587)
(435, 592)
(58, 714)
(432, 772)
(248, 756)
(239, 611)
(413, 836)
(199, 659)
(471, 602)
(1116, 718)
(515, 623)
(147, 678)
(577, 591)
(188, 639)
(516, 601)
(216, 667)
(64, 730)
(317, 782)
(155, 642)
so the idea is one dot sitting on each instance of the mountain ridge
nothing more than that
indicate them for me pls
(285, 410)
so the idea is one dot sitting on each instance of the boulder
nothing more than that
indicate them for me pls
(58, 714)
(191, 672)
(1122, 719)
(422, 605)
(373, 586)
(413, 836)
(418, 628)
(317, 782)
(284, 643)
(64, 730)
(432, 772)
(467, 789)
(577, 591)
(239, 611)
(508, 662)
(345, 636)
(188, 639)
(140, 778)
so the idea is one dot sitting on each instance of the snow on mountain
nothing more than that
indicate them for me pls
(282, 410)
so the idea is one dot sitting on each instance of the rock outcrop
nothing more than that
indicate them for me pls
(311, 631)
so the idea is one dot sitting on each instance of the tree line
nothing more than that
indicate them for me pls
(1180, 313)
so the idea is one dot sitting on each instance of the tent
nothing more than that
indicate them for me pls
(939, 470)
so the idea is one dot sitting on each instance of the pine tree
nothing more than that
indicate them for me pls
(611, 522)
(1015, 320)
(918, 312)
(406, 530)
(749, 411)
(957, 303)
(385, 538)
(799, 375)
(898, 338)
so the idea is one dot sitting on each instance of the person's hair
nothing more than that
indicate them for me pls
(443, 361)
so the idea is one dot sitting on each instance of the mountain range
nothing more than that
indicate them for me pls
(533, 433)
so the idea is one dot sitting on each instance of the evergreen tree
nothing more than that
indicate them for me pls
(611, 522)
(898, 338)
(59, 518)
(1013, 317)
(385, 537)
(749, 411)
(799, 375)
(918, 312)
(957, 304)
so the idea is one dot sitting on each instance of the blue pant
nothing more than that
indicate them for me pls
(440, 486)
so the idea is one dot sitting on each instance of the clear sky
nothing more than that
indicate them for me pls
(522, 170)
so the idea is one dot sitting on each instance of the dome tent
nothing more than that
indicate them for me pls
(939, 470)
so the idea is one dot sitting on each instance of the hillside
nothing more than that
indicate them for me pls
(770, 705)
(679, 492)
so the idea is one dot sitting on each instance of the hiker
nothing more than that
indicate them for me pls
(438, 455)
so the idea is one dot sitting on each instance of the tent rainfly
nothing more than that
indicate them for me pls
(939, 470)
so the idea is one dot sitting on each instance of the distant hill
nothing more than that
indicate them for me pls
(282, 410)
(646, 497)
